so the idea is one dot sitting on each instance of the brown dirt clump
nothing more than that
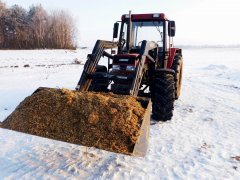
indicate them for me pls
(237, 158)
(106, 121)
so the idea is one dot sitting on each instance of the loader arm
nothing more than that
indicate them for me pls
(144, 53)
(92, 61)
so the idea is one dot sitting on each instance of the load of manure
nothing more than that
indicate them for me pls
(106, 121)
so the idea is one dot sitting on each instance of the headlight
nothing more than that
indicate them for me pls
(116, 67)
(122, 77)
(130, 68)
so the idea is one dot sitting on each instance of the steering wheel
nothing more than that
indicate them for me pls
(159, 42)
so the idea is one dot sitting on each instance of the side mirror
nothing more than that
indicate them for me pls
(171, 28)
(115, 30)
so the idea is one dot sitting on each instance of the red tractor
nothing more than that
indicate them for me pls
(146, 63)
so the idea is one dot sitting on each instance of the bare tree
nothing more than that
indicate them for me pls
(35, 28)
(2, 24)
(37, 18)
(62, 31)
(19, 21)
(9, 29)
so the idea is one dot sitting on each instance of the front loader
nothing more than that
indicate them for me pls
(143, 63)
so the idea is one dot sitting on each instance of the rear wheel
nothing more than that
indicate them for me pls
(163, 97)
(177, 67)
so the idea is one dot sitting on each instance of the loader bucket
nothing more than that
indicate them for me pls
(40, 115)
(140, 148)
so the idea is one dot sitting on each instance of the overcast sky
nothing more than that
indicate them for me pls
(198, 21)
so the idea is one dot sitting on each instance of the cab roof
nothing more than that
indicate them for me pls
(145, 17)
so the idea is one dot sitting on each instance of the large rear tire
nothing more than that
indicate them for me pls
(178, 68)
(163, 97)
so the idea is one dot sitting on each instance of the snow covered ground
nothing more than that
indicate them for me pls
(201, 141)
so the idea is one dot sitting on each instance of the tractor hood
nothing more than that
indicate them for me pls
(125, 58)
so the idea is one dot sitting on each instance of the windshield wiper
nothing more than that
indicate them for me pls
(159, 30)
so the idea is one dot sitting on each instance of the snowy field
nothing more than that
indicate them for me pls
(201, 141)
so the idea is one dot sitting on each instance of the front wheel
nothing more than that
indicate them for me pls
(99, 85)
(163, 97)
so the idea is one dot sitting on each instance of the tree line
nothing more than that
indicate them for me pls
(35, 28)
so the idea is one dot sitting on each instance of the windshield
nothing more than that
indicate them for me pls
(150, 31)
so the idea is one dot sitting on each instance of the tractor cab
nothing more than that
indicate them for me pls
(135, 31)
(136, 28)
